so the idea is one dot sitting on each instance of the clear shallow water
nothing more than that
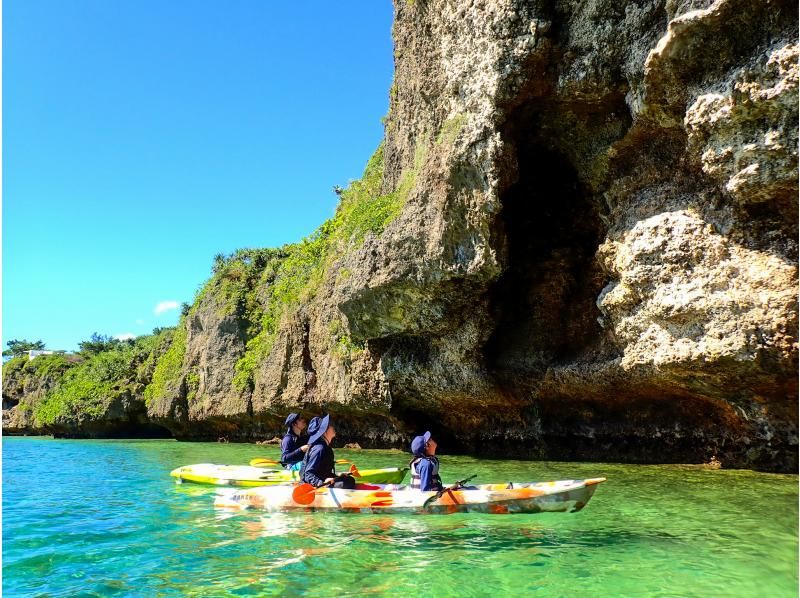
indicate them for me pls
(103, 518)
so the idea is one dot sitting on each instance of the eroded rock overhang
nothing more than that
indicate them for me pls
(598, 259)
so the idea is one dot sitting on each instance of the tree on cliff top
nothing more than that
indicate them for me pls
(99, 343)
(18, 347)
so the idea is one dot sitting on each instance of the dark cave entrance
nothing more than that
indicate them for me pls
(417, 420)
(140, 430)
(543, 305)
(117, 430)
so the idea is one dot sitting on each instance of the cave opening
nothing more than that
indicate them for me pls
(141, 430)
(117, 430)
(416, 420)
(543, 304)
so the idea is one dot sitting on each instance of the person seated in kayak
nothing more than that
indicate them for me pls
(425, 464)
(318, 466)
(295, 443)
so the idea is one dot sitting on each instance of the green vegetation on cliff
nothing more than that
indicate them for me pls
(301, 266)
(85, 390)
(156, 345)
(51, 366)
(235, 279)
(168, 366)
(12, 366)
(362, 210)
(98, 343)
(343, 345)
(450, 130)
(44, 366)
(259, 287)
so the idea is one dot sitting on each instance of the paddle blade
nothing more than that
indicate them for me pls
(354, 471)
(303, 494)
(263, 462)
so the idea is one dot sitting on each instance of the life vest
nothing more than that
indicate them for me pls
(416, 481)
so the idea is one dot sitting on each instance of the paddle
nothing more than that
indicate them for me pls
(303, 494)
(267, 462)
(441, 492)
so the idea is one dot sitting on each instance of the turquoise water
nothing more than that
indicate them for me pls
(103, 518)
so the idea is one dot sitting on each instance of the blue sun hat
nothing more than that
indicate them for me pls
(293, 417)
(418, 444)
(317, 427)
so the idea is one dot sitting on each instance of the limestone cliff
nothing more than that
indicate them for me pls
(599, 258)
(577, 241)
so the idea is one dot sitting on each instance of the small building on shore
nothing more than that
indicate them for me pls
(35, 353)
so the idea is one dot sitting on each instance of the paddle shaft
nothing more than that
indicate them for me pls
(442, 492)
(258, 462)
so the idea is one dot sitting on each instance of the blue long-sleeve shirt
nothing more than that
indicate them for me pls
(319, 465)
(290, 448)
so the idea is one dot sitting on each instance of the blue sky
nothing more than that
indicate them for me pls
(142, 137)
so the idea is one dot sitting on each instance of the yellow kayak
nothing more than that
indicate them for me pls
(248, 476)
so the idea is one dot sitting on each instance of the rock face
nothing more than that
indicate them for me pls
(595, 255)
(599, 258)
(21, 387)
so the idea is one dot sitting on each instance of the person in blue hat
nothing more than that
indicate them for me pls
(425, 464)
(318, 469)
(294, 444)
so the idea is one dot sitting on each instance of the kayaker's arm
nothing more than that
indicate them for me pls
(289, 455)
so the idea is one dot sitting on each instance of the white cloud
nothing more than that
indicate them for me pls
(166, 306)
(125, 336)
(140, 322)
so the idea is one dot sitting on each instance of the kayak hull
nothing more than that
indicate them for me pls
(245, 476)
(559, 496)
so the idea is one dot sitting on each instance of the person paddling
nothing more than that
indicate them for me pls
(294, 444)
(318, 465)
(425, 464)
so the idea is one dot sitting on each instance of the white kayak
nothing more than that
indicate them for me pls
(528, 497)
